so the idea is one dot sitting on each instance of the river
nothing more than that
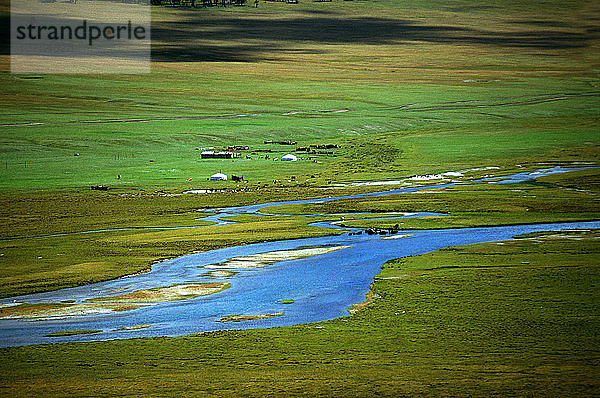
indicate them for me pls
(322, 287)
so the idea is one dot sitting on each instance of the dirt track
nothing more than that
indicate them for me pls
(506, 101)
(453, 105)
(162, 119)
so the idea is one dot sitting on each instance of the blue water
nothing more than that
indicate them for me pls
(323, 287)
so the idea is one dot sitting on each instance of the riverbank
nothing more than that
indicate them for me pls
(323, 287)
(32, 264)
(517, 316)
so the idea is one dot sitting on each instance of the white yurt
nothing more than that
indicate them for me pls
(289, 157)
(218, 177)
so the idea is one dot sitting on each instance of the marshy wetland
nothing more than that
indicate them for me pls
(160, 282)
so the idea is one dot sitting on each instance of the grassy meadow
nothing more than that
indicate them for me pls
(427, 87)
(402, 89)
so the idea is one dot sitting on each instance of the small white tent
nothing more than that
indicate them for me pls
(218, 177)
(289, 157)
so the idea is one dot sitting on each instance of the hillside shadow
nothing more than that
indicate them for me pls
(185, 41)
(204, 37)
(4, 35)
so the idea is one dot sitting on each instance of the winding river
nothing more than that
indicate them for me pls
(322, 286)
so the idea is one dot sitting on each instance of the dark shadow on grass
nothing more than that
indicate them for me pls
(4, 35)
(324, 30)
(185, 40)
(203, 37)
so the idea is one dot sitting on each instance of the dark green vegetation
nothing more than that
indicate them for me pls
(73, 332)
(513, 319)
(584, 180)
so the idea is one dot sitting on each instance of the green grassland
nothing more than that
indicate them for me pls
(73, 332)
(402, 89)
(518, 318)
(430, 86)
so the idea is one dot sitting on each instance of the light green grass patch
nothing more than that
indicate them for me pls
(73, 332)
(241, 318)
